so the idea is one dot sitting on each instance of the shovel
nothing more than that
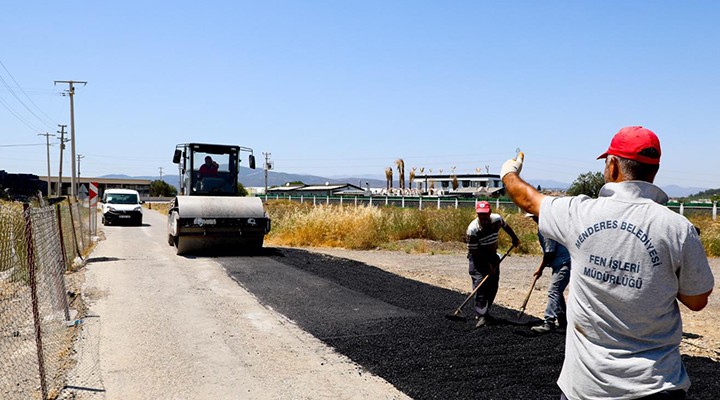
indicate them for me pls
(522, 308)
(458, 315)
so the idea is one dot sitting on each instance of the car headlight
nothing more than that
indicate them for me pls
(138, 209)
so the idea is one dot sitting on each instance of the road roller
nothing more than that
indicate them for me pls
(209, 215)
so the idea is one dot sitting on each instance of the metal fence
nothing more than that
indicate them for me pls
(393, 201)
(38, 244)
(709, 209)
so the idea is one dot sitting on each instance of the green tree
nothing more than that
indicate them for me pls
(160, 188)
(588, 183)
(712, 194)
(241, 190)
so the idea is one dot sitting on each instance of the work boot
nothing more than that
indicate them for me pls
(561, 322)
(546, 327)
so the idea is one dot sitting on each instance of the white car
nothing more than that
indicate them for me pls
(121, 206)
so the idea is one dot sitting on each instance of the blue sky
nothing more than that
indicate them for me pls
(336, 88)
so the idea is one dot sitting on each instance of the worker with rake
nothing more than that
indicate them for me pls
(482, 243)
(557, 257)
(634, 260)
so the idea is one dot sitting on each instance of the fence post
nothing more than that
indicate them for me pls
(327, 200)
(72, 224)
(682, 209)
(420, 203)
(714, 210)
(355, 201)
(314, 200)
(456, 203)
(370, 201)
(341, 200)
(402, 202)
(438, 203)
(63, 299)
(386, 200)
(34, 299)
(90, 223)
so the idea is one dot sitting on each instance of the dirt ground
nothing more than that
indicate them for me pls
(446, 266)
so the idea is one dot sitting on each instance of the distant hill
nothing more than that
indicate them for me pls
(549, 184)
(256, 178)
(672, 191)
(678, 191)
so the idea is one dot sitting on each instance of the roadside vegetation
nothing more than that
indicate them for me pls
(407, 229)
(160, 188)
(428, 231)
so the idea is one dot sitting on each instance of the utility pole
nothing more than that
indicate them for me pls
(71, 93)
(47, 147)
(266, 168)
(62, 148)
(79, 157)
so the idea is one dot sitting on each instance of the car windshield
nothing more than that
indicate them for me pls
(121, 198)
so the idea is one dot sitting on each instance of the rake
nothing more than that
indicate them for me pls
(458, 315)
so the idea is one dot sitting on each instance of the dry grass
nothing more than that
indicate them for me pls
(407, 229)
(410, 230)
(159, 207)
(415, 231)
(709, 234)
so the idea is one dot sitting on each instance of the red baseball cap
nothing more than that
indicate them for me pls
(482, 207)
(630, 141)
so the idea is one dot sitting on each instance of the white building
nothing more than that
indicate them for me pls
(463, 185)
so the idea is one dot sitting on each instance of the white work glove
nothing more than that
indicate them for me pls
(513, 165)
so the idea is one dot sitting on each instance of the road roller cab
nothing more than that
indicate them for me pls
(208, 214)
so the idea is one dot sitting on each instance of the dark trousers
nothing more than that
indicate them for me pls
(481, 265)
(664, 395)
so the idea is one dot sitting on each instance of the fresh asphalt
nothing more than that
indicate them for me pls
(396, 328)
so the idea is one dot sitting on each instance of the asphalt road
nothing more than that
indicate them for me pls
(396, 328)
(160, 326)
(292, 324)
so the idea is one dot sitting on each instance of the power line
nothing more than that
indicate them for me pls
(22, 145)
(16, 115)
(45, 122)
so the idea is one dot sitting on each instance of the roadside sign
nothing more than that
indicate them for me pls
(92, 204)
(82, 192)
(93, 193)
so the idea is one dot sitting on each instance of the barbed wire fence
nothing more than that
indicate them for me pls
(39, 244)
